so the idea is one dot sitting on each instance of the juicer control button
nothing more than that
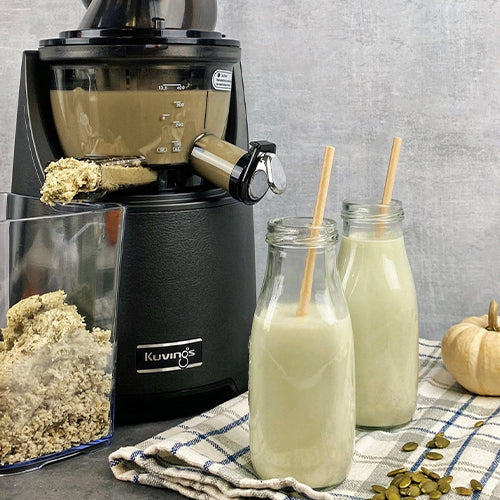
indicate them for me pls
(176, 147)
(164, 116)
(162, 149)
(178, 104)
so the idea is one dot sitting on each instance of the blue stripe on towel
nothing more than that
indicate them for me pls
(137, 453)
(215, 432)
(229, 458)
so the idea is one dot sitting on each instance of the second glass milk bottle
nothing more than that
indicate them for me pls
(301, 387)
(380, 292)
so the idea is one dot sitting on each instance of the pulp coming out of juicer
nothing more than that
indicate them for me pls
(152, 78)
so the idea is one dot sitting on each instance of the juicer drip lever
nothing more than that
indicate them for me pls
(269, 162)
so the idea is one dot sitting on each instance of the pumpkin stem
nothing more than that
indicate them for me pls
(493, 317)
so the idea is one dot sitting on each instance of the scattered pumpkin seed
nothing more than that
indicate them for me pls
(441, 442)
(465, 492)
(435, 494)
(397, 479)
(428, 486)
(410, 446)
(391, 489)
(444, 487)
(425, 470)
(418, 477)
(444, 484)
(434, 475)
(395, 472)
(410, 485)
(476, 485)
(414, 490)
(405, 482)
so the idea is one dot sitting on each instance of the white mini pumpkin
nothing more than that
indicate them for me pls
(471, 352)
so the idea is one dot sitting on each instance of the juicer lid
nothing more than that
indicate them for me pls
(140, 22)
(139, 36)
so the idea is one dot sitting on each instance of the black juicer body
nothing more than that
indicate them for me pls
(187, 286)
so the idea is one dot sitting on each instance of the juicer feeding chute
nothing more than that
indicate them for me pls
(171, 14)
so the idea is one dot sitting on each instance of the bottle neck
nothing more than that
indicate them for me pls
(292, 243)
(372, 220)
(300, 233)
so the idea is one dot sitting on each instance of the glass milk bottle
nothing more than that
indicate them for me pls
(301, 386)
(380, 292)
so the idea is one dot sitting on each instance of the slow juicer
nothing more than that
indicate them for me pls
(152, 79)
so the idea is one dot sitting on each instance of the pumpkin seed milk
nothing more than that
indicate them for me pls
(301, 395)
(380, 293)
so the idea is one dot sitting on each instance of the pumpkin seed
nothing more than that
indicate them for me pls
(434, 475)
(433, 455)
(397, 479)
(479, 423)
(395, 472)
(465, 492)
(431, 444)
(410, 446)
(405, 482)
(441, 442)
(428, 486)
(444, 487)
(444, 484)
(418, 477)
(425, 470)
(391, 489)
(414, 490)
(392, 493)
(476, 485)
(439, 434)
(378, 489)
(435, 494)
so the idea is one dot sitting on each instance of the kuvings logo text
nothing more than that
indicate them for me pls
(169, 356)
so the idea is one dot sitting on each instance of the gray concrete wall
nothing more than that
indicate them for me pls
(353, 75)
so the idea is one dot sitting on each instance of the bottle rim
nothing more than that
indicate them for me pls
(368, 210)
(300, 232)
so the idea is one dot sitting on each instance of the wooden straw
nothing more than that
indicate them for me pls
(389, 180)
(319, 210)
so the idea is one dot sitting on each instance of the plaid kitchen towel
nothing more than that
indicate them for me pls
(208, 456)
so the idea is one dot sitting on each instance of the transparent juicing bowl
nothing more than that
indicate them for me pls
(59, 270)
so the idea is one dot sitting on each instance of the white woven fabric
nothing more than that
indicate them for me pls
(208, 456)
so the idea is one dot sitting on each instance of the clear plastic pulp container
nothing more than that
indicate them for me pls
(59, 270)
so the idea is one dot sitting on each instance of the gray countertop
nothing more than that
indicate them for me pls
(87, 476)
